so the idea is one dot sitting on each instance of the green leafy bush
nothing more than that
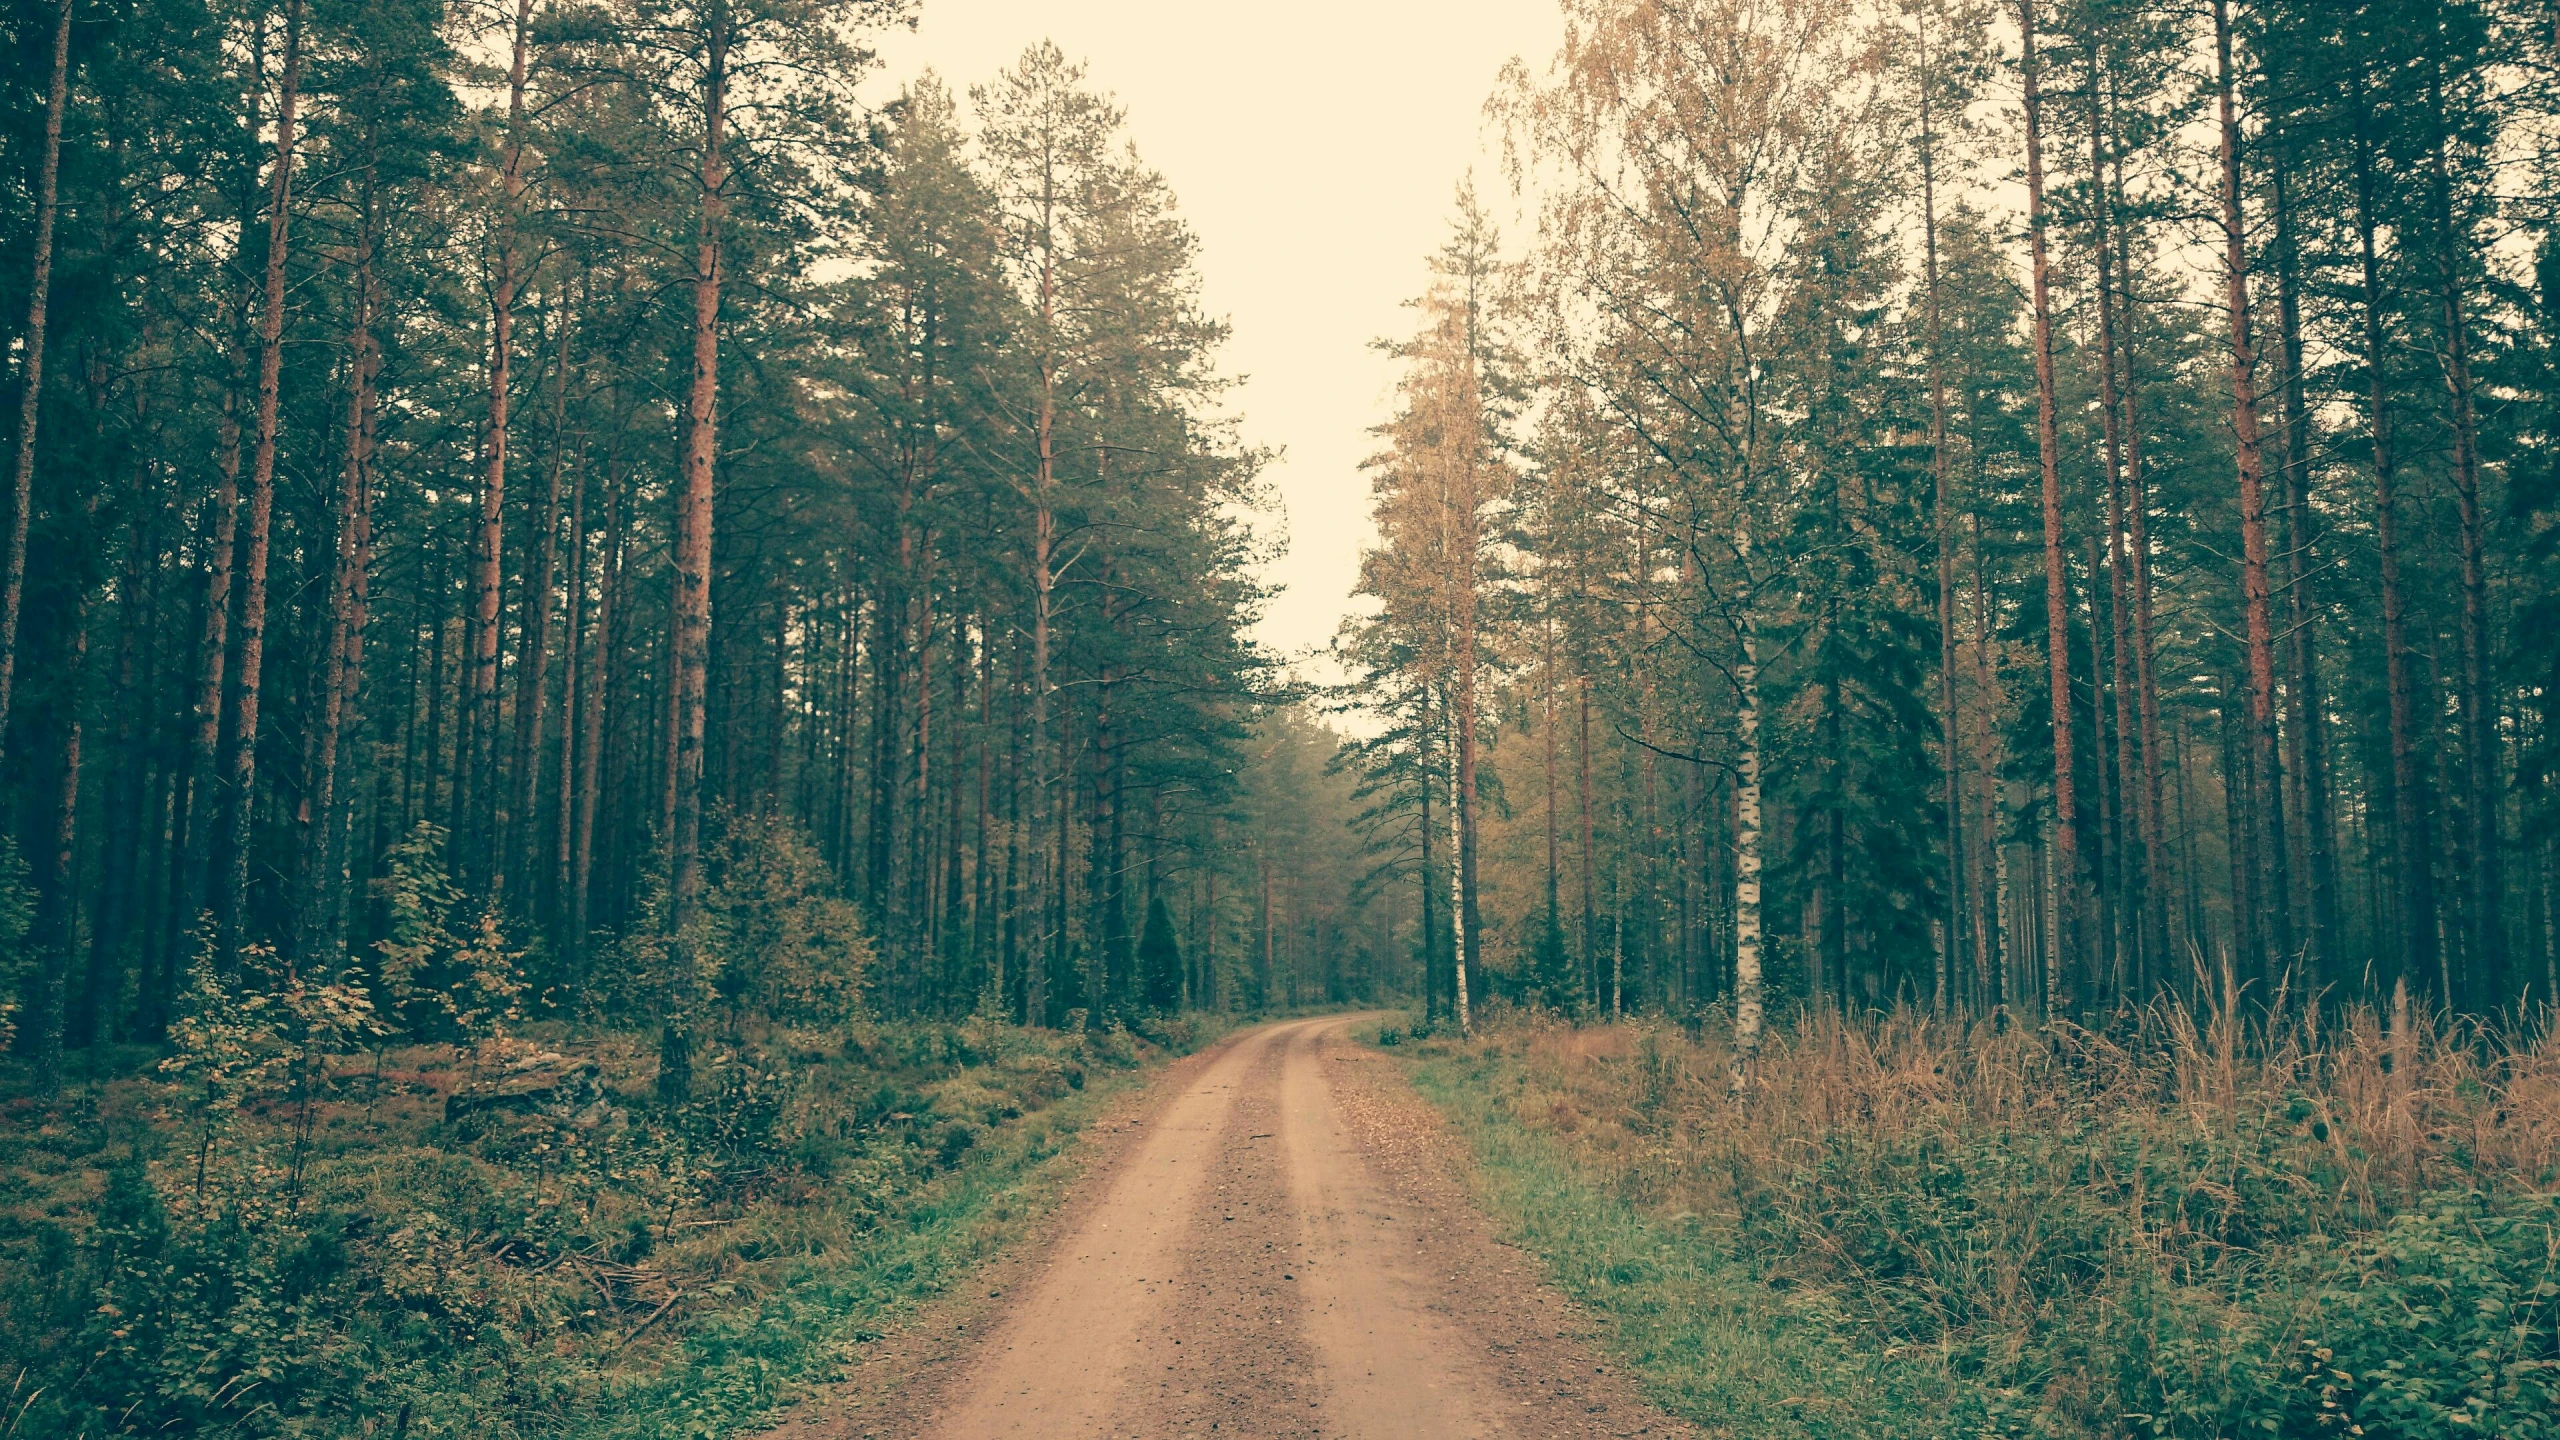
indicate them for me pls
(782, 940)
(280, 1232)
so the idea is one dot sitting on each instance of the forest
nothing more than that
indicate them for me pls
(2033, 510)
(613, 621)
(472, 357)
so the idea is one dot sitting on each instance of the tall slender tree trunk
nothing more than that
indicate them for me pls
(1457, 873)
(692, 608)
(200, 798)
(13, 562)
(1044, 526)
(2412, 855)
(2151, 808)
(533, 654)
(2071, 881)
(477, 839)
(1590, 850)
(1433, 991)
(2266, 810)
(2106, 937)
(311, 926)
(982, 948)
(1991, 903)
(2136, 879)
(1942, 524)
(2317, 829)
(577, 685)
(2486, 982)
(1547, 734)
(262, 495)
(1747, 1017)
(57, 901)
(121, 894)
(1464, 813)
(598, 679)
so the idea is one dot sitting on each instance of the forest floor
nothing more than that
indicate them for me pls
(1275, 1240)
(375, 1263)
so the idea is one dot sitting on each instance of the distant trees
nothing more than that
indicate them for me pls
(1977, 608)
(1443, 484)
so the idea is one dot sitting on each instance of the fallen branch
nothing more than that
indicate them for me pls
(654, 1317)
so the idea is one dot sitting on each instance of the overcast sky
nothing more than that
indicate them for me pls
(1316, 148)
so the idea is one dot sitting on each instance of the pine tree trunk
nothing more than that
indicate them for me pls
(2106, 941)
(2317, 826)
(2165, 964)
(1432, 989)
(477, 838)
(13, 562)
(2412, 856)
(1043, 582)
(2266, 809)
(692, 601)
(1831, 940)
(1470, 923)
(121, 893)
(2135, 881)
(603, 669)
(1010, 943)
(57, 900)
(200, 803)
(341, 661)
(1547, 735)
(2071, 881)
(1457, 871)
(1590, 850)
(533, 654)
(1992, 910)
(982, 939)
(576, 683)
(262, 495)
(2486, 982)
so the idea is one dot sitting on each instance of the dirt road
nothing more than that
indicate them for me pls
(1279, 1248)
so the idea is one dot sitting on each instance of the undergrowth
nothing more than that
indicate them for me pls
(1912, 1227)
(352, 1250)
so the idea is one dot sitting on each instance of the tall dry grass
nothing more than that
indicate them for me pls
(2182, 1225)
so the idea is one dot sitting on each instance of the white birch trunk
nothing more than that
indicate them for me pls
(1618, 943)
(1457, 888)
(1746, 854)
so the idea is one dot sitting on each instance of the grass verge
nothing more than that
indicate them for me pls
(738, 1369)
(508, 1240)
(2294, 1229)
(1708, 1340)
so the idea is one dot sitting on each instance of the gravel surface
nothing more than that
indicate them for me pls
(1273, 1241)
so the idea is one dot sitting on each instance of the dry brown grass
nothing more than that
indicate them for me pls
(2175, 1226)
(2396, 1116)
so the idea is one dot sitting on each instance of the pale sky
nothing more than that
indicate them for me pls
(1316, 149)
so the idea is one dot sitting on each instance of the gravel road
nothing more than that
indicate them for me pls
(1275, 1243)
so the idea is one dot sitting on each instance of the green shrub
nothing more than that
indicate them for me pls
(780, 938)
(278, 1237)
